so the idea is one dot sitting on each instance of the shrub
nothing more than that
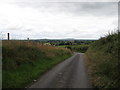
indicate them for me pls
(104, 63)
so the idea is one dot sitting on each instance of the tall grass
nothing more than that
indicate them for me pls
(103, 62)
(25, 61)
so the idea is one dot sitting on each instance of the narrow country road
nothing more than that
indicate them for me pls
(70, 73)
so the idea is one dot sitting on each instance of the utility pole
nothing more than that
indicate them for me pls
(8, 36)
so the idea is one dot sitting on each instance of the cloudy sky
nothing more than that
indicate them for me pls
(39, 19)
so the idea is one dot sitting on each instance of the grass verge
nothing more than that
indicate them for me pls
(103, 62)
(25, 61)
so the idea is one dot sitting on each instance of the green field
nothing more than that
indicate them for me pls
(25, 61)
(103, 62)
(76, 48)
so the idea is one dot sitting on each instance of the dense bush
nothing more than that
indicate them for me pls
(103, 62)
(78, 48)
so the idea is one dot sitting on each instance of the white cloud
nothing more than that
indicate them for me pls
(51, 22)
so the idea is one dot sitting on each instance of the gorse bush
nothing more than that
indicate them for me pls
(104, 61)
(24, 61)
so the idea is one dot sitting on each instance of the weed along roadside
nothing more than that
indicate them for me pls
(103, 62)
(24, 62)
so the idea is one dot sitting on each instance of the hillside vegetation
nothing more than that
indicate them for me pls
(25, 61)
(103, 62)
(76, 48)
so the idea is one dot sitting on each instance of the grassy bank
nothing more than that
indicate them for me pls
(103, 63)
(25, 61)
(76, 48)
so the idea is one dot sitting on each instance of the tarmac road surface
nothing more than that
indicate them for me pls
(70, 73)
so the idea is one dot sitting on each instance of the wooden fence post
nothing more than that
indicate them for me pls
(8, 36)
